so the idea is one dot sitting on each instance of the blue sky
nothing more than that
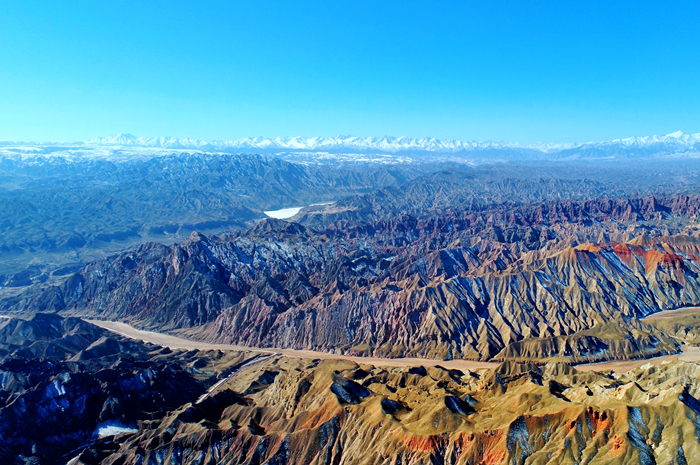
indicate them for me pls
(495, 70)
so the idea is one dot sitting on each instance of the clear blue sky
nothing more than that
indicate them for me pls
(519, 70)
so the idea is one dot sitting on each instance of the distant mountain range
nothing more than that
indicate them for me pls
(384, 149)
(677, 142)
(340, 144)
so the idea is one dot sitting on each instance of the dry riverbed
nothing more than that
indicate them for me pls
(688, 354)
(175, 342)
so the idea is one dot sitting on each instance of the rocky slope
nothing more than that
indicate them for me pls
(63, 208)
(57, 211)
(72, 393)
(286, 411)
(487, 186)
(65, 384)
(558, 279)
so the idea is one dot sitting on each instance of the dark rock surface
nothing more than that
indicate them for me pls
(60, 378)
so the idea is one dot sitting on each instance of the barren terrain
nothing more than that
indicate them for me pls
(174, 342)
(688, 354)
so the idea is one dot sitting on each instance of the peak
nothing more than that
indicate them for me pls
(658, 145)
(120, 136)
(273, 225)
(197, 236)
(642, 240)
(676, 134)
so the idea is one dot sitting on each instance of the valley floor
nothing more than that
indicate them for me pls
(688, 353)
(174, 342)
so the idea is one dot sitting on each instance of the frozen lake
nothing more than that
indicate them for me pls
(290, 212)
(283, 213)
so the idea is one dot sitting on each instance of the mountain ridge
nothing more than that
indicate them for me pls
(559, 276)
(389, 144)
(673, 144)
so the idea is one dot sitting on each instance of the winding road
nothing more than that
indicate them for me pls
(212, 389)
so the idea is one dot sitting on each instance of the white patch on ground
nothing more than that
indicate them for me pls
(55, 389)
(283, 213)
(112, 428)
(322, 203)
(291, 211)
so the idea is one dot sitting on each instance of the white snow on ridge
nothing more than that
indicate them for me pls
(352, 149)
(385, 144)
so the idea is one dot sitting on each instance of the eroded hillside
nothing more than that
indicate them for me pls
(290, 411)
(66, 384)
(74, 393)
(557, 280)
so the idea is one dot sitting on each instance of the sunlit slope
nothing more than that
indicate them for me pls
(485, 284)
(310, 412)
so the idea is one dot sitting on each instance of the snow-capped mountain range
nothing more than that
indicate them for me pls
(352, 149)
(386, 144)
(342, 144)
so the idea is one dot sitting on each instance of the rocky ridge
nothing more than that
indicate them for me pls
(287, 411)
(73, 393)
(558, 279)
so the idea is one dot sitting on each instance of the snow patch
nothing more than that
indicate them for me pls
(112, 428)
